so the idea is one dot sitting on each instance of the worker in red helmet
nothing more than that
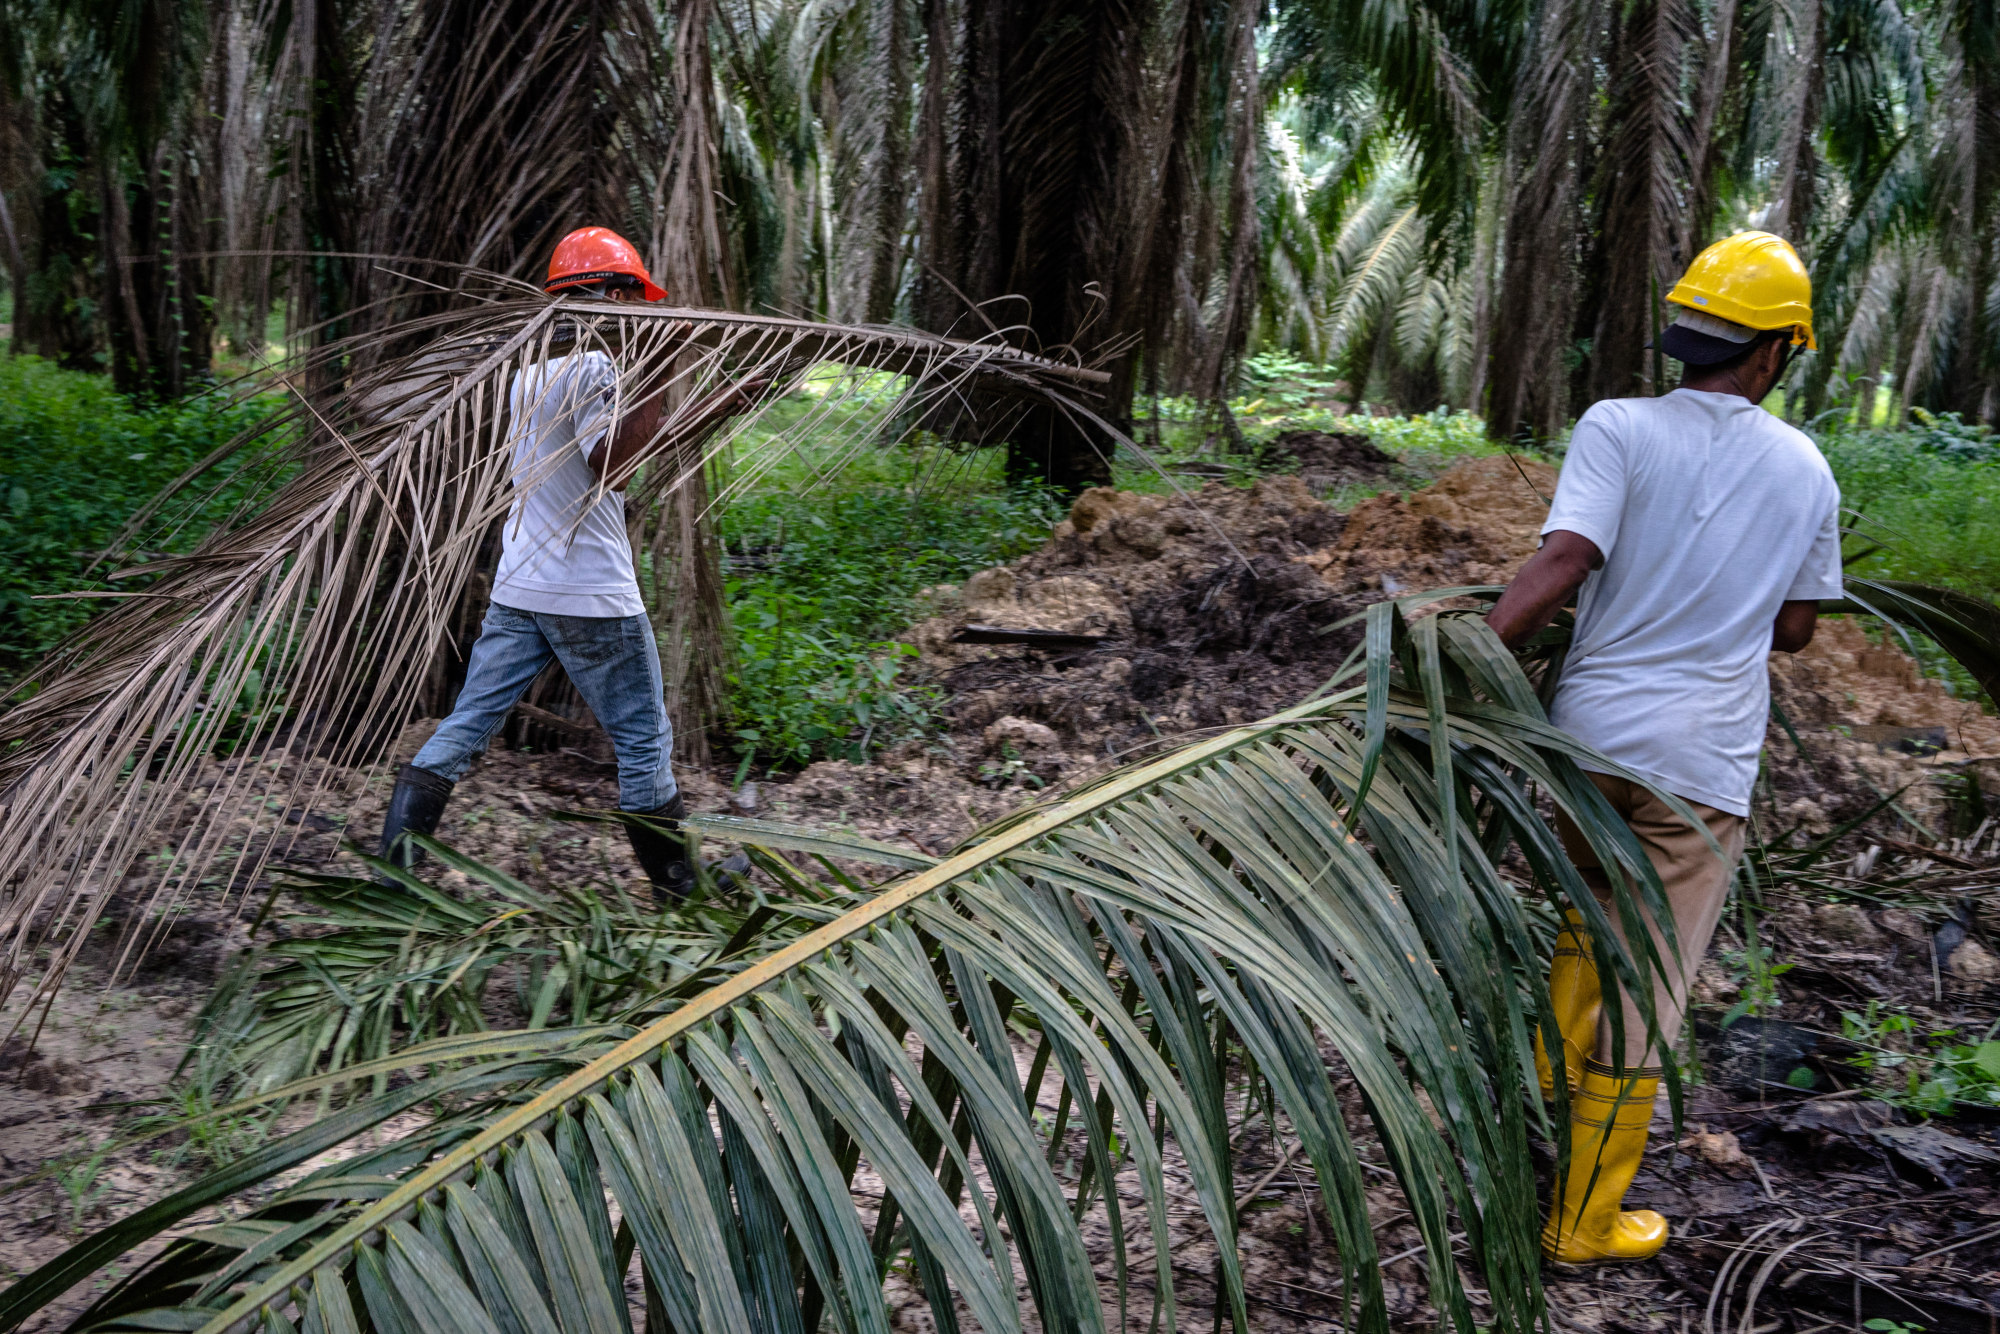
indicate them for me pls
(565, 587)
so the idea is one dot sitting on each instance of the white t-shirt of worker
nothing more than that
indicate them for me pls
(1710, 513)
(564, 548)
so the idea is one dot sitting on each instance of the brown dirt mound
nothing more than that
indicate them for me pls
(1213, 607)
(1848, 696)
(1870, 684)
(1210, 619)
(1475, 525)
(1327, 462)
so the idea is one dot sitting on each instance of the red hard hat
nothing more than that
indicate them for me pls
(592, 254)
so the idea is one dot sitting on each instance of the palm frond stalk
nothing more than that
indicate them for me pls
(295, 638)
(1323, 882)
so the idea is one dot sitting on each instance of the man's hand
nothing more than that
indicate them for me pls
(1549, 579)
(742, 396)
(1794, 626)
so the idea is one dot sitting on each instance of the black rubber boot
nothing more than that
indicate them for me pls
(416, 805)
(662, 855)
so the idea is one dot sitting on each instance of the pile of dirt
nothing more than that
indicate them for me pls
(1327, 462)
(1476, 524)
(1208, 617)
(1869, 685)
(1218, 608)
(1869, 725)
(1212, 610)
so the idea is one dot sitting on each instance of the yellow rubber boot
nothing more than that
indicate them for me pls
(1576, 998)
(1609, 1114)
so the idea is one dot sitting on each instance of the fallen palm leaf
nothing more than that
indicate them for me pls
(370, 969)
(1136, 937)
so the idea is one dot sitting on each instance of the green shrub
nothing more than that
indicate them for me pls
(1948, 434)
(1933, 508)
(821, 579)
(1932, 1071)
(77, 461)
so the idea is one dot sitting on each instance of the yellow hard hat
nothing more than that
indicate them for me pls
(1753, 280)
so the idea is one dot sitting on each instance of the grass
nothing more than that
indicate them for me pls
(77, 460)
(1932, 509)
(1923, 504)
(826, 564)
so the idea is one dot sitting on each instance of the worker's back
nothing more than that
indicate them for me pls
(565, 549)
(1710, 513)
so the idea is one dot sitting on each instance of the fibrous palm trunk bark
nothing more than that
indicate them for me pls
(1536, 309)
(1641, 194)
(1086, 174)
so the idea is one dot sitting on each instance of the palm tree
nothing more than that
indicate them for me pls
(105, 106)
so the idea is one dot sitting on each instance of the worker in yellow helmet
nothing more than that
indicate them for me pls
(1698, 533)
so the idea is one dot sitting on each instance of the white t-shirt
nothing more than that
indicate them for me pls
(564, 549)
(1710, 513)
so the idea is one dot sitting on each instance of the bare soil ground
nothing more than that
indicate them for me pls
(1792, 1209)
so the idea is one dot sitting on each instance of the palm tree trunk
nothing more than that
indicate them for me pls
(1791, 212)
(1641, 187)
(1530, 394)
(1705, 170)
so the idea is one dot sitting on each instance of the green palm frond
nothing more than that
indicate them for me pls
(1323, 883)
(371, 968)
(1422, 310)
(1378, 252)
(1966, 627)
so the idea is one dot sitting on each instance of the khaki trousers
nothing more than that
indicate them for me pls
(1696, 883)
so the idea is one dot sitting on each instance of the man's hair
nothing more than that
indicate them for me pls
(615, 282)
(1750, 349)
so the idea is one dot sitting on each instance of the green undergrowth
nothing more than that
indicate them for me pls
(77, 461)
(1923, 504)
(1919, 511)
(825, 560)
(1921, 1067)
(1193, 442)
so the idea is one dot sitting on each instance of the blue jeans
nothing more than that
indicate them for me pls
(614, 663)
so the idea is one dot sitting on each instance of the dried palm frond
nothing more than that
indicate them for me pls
(1324, 881)
(300, 632)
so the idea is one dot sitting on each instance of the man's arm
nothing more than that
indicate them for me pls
(618, 454)
(1794, 626)
(1549, 579)
(616, 458)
